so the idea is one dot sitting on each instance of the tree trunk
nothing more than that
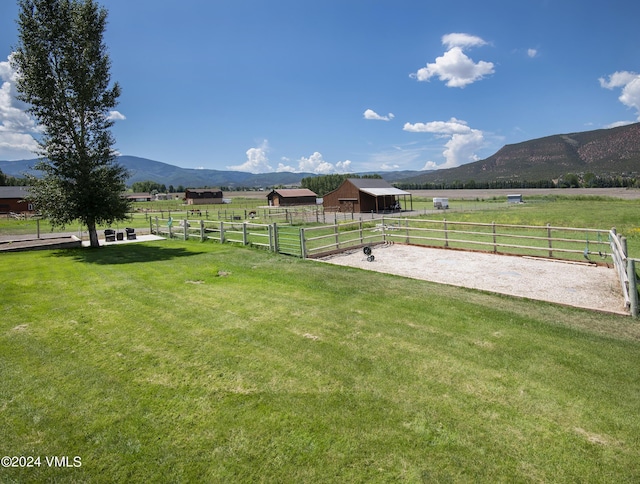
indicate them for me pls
(93, 234)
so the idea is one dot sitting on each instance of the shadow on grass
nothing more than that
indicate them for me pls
(125, 254)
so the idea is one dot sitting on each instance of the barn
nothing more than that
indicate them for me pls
(203, 196)
(287, 197)
(12, 199)
(140, 197)
(362, 195)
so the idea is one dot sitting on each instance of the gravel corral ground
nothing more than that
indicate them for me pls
(576, 284)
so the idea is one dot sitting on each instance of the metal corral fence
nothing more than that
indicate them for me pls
(545, 241)
(287, 215)
(566, 243)
(626, 267)
(274, 237)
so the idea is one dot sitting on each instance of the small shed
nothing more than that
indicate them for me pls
(12, 199)
(365, 195)
(440, 202)
(203, 196)
(287, 197)
(515, 198)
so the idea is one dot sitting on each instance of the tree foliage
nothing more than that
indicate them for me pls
(63, 74)
(148, 187)
(12, 181)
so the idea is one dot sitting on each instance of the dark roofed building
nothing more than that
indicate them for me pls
(140, 197)
(286, 197)
(203, 196)
(359, 195)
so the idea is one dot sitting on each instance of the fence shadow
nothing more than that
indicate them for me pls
(125, 254)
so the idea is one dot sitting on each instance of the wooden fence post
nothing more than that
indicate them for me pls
(446, 234)
(245, 238)
(549, 239)
(202, 230)
(275, 237)
(493, 229)
(633, 287)
(222, 232)
(406, 223)
(360, 227)
(337, 236)
(303, 244)
(186, 229)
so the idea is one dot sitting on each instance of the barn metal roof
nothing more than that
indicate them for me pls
(14, 192)
(295, 192)
(380, 192)
(376, 187)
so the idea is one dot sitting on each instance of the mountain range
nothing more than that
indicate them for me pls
(609, 152)
(605, 152)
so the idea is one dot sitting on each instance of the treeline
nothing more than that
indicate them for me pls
(12, 181)
(321, 185)
(567, 181)
(154, 187)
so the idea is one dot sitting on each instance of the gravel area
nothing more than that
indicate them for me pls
(576, 284)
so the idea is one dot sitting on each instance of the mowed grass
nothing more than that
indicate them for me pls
(182, 361)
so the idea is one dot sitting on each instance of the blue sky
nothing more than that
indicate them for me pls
(338, 86)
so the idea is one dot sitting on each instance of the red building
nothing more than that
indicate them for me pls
(286, 197)
(366, 195)
(12, 199)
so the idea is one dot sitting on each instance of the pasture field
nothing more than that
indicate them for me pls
(557, 208)
(177, 361)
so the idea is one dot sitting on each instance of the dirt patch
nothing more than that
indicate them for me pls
(569, 283)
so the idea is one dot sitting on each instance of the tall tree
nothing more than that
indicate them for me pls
(63, 74)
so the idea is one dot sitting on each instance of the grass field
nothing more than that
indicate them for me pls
(181, 361)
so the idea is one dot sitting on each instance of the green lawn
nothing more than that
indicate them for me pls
(182, 361)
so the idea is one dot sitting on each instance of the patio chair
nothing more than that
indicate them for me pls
(131, 233)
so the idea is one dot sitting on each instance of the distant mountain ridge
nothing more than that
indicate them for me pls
(604, 152)
(143, 169)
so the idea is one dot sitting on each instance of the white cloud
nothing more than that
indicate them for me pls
(462, 143)
(618, 79)
(343, 166)
(454, 66)
(116, 116)
(257, 160)
(630, 84)
(532, 53)
(617, 124)
(371, 114)
(17, 128)
(316, 164)
(461, 40)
